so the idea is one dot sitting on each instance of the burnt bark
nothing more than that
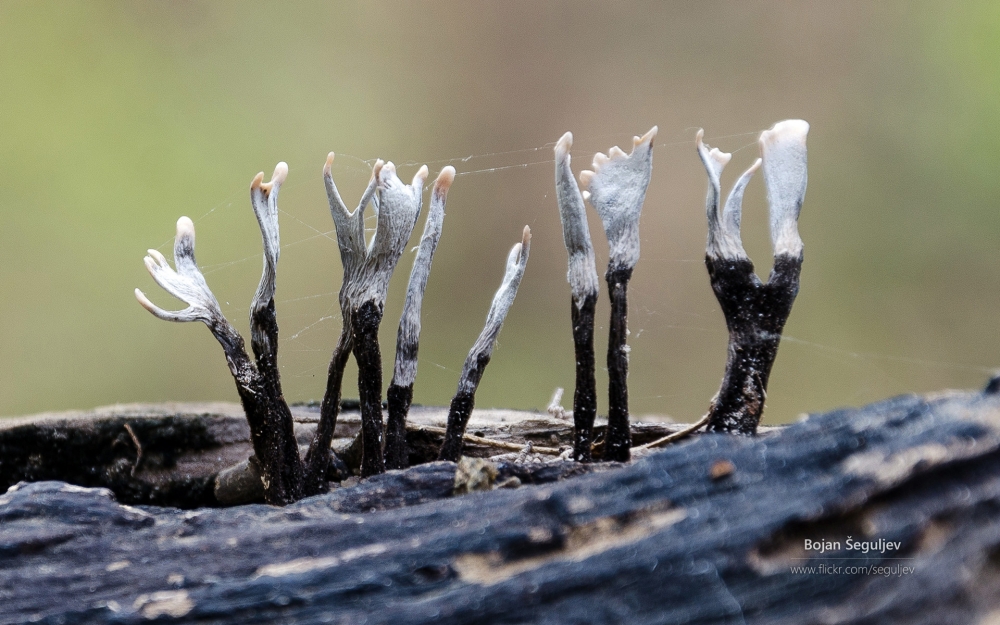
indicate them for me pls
(755, 315)
(585, 393)
(618, 442)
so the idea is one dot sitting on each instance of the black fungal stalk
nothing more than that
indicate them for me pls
(400, 392)
(583, 281)
(258, 384)
(482, 349)
(617, 188)
(755, 312)
(367, 270)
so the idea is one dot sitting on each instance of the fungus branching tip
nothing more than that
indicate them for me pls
(444, 180)
(526, 237)
(586, 176)
(790, 130)
(185, 227)
(648, 137)
(257, 181)
(328, 167)
(600, 159)
(564, 144)
(420, 177)
(616, 153)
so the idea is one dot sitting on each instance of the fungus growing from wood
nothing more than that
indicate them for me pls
(258, 383)
(584, 285)
(617, 188)
(367, 270)
(479, 356)
(755, 312)
(400, 393)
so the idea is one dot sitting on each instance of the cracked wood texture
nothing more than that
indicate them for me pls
(705, 531)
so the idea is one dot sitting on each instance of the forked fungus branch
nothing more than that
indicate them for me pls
(755, 312)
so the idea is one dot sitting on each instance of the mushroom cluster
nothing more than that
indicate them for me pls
(368, 267)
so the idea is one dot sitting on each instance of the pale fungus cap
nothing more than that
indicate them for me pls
(783, 149)
(616, 188)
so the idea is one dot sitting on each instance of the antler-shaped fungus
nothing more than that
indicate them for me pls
(755, 312)
(479, 356)
(259, 384)
(367, 270)
(617, 188)
(400, 392)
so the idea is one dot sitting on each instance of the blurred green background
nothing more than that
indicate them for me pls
(117, 118)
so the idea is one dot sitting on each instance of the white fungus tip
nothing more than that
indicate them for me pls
(157, 256)
(585, 177)
(616, 153)
(329, 164)
(280, 173)
(756, 165)
(144, 301)
(525, 236)
(788, 130)
(699, 137)
(564, 144)
(600, 159)
(586, 195)
(418, 180)
(185, 227)
(258, 181)
(377, 168)
(649, 136)
(720, 157)
(444, 179)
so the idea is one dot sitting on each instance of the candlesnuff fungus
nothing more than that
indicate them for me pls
(584, 285)
(367, 270)
(616, 188)
(400, 392)
(258, 384)
(479, 356)
(755, 312)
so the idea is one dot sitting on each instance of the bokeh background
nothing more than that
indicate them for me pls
(117, 118)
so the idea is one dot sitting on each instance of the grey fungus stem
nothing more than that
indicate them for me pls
(479, 356)
(257, 383)
(755, 311)
(616, 188)
(584, 285)
(400, 392)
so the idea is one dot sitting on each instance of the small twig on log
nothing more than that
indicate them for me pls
(479, 355)
(138, 448)
(491, 442)
(676, 436)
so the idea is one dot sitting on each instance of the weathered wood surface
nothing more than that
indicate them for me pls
(705, 531)
(185, 445)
